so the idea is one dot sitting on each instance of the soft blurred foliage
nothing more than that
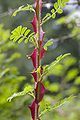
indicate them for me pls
(15, 69)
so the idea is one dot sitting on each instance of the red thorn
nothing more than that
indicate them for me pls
(40, 91)
(34, 23)
(32, 109)
(34, 56)
(34, 74)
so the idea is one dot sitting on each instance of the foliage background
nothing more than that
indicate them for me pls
(15, 68)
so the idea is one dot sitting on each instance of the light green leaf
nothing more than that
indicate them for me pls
(13, 57)
(30, 38)
(46, 18)
(50, 108)
(65, 1)
(59, 2)
(24, 8)
(71, 74)
(20, 34)
(56, 5)
(27, 90)
(53, 15)
(49, 43)
(49, 68)
(4, 72)
(59, 11)
(52, 11)
(77, 81)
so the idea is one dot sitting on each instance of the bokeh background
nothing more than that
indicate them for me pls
(15, 68)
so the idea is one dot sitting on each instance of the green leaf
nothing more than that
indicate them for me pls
(30, 38)
(53, 15)
(49, 43)
(71, 74)
(49, 68)
(59, 11)
(56, 5)
(23, 8)
(77, 81)
(63, 5)
(46, 16)
(65, 1)
(54, 87)
(4, 72)
(21, 33)
(59, 2)
(13, 57)
(52, 11)
(27, 90)
(50, 108)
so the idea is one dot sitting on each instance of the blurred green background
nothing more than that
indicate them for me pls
(15, 68)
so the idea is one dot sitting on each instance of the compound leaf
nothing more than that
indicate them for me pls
(4, 72)
(21, 33)
(57, 8)
(49, 68)
(49, 43)
(50, 108)
(27, 90)
(24, 8)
